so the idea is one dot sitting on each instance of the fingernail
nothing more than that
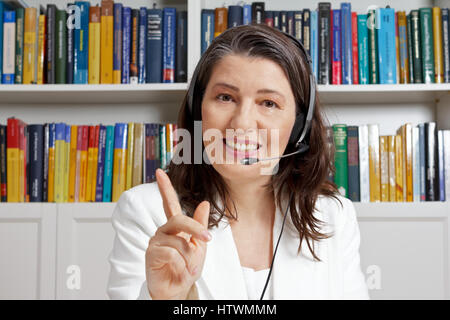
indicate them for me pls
(206, 235)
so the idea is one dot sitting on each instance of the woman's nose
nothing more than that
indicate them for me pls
(244, 116)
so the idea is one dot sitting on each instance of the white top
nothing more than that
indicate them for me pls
(255, 281)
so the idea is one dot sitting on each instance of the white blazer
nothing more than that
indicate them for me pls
(139, 212)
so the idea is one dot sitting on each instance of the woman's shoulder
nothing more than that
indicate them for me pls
(335, 210)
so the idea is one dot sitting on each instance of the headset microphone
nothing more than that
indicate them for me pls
(249, 161)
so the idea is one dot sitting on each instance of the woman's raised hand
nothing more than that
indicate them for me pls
(176, 253)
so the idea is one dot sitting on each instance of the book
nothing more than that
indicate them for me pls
(340, 158)
(364, 174)
(51, 40)
(72, 162)
(3, 157)
(154, 45)
(353, 163)
(12, 160)
(3, 8)
(346, 21)
(416, 164)
(109, 155)
(82, 154)
(142, 52)
(120, 160)
(207, 31)
(295, 24)
(374, 163)
(60, 137)
(437, 48)
(258, 9)
(446, 148)
(134, 50)
(30, 46)
(384, 169)
(138, 154)
(106, 41)
(60, 46)
(67, 139)
(70, 34)
(169, 141)
(101, 164)
(162, 146)
(406, 132)
(126, 44)
(355, 64)
(81, 48)
(363, 49)
(90, 163)
(391, 170)
(235, 17)
(426, 41)
(386, 46)
(94, 45)
(446, 43)
(431, 162)
(118, 42)
(9, 47)
(40, 61)
(51, 162)
(403, 48)
(416, 46)
(18, 71)
(324, 42)
(220, 21)
(168, 36)
(336, 62)
(130, 154)
(307, 30)
(410, 48)
(399, 185)
(373, 47)
(422, 142)
(181, 47)
(247, 14)
(95, 162)
(314, 44)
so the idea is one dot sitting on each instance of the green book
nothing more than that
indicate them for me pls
(60, 46)
(426, 32)
(18, 72)
(363, 49)
(373, 48)
(340, 158)
(416, 46)
(410, 48)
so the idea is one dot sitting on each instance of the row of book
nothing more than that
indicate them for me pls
(412, 165)
(380, 47)
(85, 44)
(57, 162)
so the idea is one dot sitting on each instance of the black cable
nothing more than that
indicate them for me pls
(276, 247)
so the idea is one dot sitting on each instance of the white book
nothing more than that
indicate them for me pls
(447, 164)
(364, 181)
(416, 164)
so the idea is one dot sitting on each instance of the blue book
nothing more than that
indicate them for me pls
(100, 164)
(36, 164)
(235, 16)
(8, 75)
(154, 45)
(142, 44)
(387, 60)
(126, 44)
(109, 157)
(346, 31)
(363, 49)
(81, 53)
(441, 165)
(336, 62)
(314, 46)
(162, 145)
(3, 8)
(118, 42)
(247, 14)
(207, 32)
(169, 28)
(422, 173)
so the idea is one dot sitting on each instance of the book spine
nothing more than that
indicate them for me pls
(353, 163)
(70, 34)
(426, 30)
(142, 45)
(9, 47)
(207, 34)
(118, 42)
(441, 173)
(277, 20)
(126, 44)
(307, 30)
(324, 42)
(95, 162)
(446, 43)
(268, 20)
(51, 162)
(3, 176)
(169, 26)
(258, 9)
(77, 180)
(72, 162)
(235, 16)
(18, 73)
(386, 46)
(446, 148)
(66, 163)
(181, 49)
(410, 49)
(373, 48)
(397, 49)
(130, 153)
(153, 149)
(90, 163)
(81, 47)
(134, 75)
(154, 45)
(60, 47)
(417, 46)
(314, 43)
(94, 45)
(84, 163)
(120, 160)
(399, 168)
(162, 145)
(409, 158)
(2, 10)
(336, 63)
(101, 164)
(363, 50)
(295, 24)
(106, 41)
(220, 21)
(384, 169)
(137, 155)
(60, 132)
(146, 157)
(36, 135)
(340, 158)
(403, 47)
(416, 164)
(374, 163)
(431, 158)
(364, 175)
(40, 76)
(422, 171)
(437, 42)
(346, 30)
(29, 46)
(50, 47)
(391, 165)
(109, 156)
(247, 14)
(355, 64)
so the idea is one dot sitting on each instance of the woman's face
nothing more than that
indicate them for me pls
(249, 101)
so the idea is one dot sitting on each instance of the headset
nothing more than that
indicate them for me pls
(301, 128)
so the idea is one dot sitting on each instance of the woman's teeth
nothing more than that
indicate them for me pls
(241, 146)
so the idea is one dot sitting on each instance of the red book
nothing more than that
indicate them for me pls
(355, 48)
(269, 21)
(12, 160)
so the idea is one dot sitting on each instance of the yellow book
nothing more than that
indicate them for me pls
(138, 154)
(438, 50)
(95, 162)
(399, 168)
(12, 161)
(83, 163)
(30, 46)
(59, 161)
(408, 192)
(21, 163)
(94, 45)
(374, 163)
(41, 50)
(392, 175)
(384, 168)
(51, 164)
(90, 164)
(72, 162)
(107, 41)
(66, 163)
(120, 161)
(130, 154)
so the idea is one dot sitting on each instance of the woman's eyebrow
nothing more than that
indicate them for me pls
(234, 88)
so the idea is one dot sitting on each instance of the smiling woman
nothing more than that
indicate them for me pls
(199, 231)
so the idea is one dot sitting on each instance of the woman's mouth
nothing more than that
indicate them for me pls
(241, 148)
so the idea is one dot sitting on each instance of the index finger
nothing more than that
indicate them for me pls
(169, 196)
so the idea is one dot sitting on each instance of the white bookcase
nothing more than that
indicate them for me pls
(404, 246)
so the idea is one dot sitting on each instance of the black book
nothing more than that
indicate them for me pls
(50, 54)
(283, 21)
(36, 168)
(431, 158)
(298, 25)
(258, 12)
(181, 49)
(276, 20)
(324, 42)
(3, 163)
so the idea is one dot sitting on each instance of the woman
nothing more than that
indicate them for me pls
(208, 230)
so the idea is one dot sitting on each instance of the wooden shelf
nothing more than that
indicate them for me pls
(174, 92)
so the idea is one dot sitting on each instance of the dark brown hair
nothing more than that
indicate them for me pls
(305, 174)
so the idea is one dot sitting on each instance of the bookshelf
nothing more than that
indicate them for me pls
(389, 105)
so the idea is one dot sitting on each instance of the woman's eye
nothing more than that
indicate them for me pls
(269, 104)
(224, 97)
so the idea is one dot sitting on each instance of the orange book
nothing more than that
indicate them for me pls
(72, 162)
(384, 168)
(374, 163)
(22, 163)
(41, 49)
(83, 162)
(403, 43)
(94, 45)
(95, 162)
(30, 46)
(392, 174)
(106, 41)
(397, 49)
(399, 168)
(220, 21)
(438, 50)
